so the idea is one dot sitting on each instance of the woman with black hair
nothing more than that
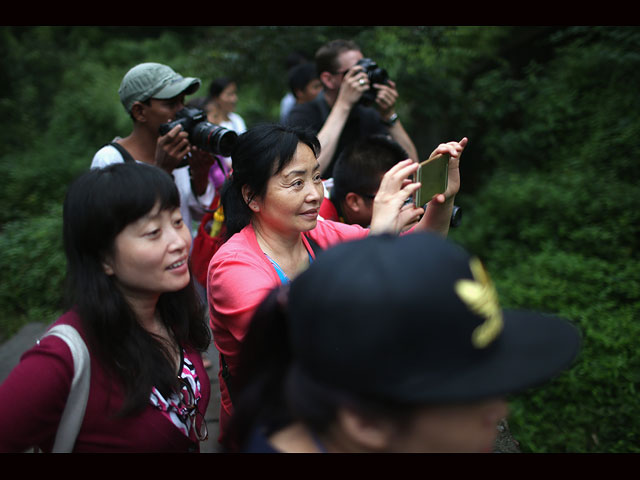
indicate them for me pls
(132, 299)
(220, 107)
(271, 204)
(221, 104)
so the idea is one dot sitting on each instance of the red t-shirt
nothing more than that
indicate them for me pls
(328, 210)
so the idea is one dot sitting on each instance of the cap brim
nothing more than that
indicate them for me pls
(532, 349)
(187, 86)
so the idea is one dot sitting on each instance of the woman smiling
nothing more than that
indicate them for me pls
(271, 204)
(133, 303)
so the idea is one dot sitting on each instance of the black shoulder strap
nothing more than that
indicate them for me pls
(314, 245)
(125, 154)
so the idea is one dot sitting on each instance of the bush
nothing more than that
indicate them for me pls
(551, 248)
(556, 221)
(594, 404)
(33, 269)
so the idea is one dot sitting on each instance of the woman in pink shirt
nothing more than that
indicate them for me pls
(134, 304)
(271, 204)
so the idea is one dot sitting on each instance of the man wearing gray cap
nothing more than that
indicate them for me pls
(152, 94)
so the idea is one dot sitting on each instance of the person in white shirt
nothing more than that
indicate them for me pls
(153, 94)
(223, 98)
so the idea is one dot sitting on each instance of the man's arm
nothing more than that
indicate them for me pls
(350, 92)
(330, 133)
(386, 101)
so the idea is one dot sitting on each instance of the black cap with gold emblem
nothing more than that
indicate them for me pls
(416, 319)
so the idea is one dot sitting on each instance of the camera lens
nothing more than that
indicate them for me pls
(214, 138)
(203, 134)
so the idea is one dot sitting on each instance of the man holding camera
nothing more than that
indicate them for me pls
(338, 114)
(152, 94)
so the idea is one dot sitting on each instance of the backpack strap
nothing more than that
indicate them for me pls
(123, 151)
(74, 410)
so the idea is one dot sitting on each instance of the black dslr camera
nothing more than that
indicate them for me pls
(203, 134)
(375, 75)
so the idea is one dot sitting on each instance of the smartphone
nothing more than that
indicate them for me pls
(433, 174)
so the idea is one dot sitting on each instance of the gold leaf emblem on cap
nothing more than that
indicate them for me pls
(481, 297)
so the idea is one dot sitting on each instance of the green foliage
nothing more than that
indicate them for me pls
(549, 195)
(594, 403)
(33, 270)
(552, 247)
(255, 56)
(556, 221)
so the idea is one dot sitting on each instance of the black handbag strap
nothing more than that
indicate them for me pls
(314, 245)
(226, 376)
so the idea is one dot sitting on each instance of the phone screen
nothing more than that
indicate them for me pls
(433, 174)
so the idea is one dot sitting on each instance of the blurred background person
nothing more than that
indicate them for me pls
(220, 108)
(304, 84)
(356, 177)
(221, 105)
(349, 194)
(350, 106)
(289, 100)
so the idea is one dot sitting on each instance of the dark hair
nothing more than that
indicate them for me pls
(272, 390)
(359, 167)
(259, 153)
(198, 102)
(301, 75)
(98, 206)
(295, 58)
(218, 85)
(327, 55)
